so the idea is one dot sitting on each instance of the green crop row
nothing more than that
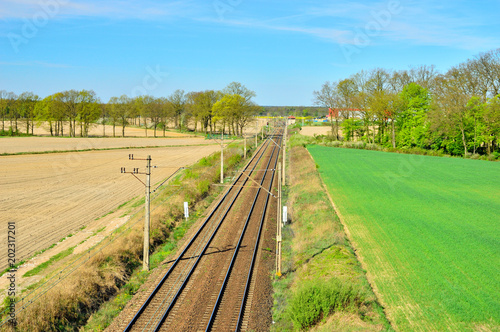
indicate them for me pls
(427, 231)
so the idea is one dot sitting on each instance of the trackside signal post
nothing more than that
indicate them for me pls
(222, 146)
(278, 225)
(145, 260)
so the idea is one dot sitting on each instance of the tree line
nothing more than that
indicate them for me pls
(228, 110)
(457, 112)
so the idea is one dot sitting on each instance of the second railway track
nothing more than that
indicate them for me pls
(209, 287)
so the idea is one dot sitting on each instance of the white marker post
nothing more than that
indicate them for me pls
(186, 210)
(285, 215)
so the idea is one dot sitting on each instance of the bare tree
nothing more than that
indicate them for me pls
(236, 88)
(27, 102)
(12, 110)
(424, 76)
(328, 97)
(487, 66)
(177, 102)
(3, 106)
(70, 100)
(88, 110)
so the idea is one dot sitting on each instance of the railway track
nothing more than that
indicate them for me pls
(209, 287)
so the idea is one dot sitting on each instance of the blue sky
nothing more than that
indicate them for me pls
(283, 50)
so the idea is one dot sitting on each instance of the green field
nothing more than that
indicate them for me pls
(427, 230)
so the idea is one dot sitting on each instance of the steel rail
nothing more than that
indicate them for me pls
(237, 248)
(177, 295)
(193, 239)
(254, 257)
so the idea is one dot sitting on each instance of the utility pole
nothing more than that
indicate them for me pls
(245, 149)
(222, 158)
(145, 260)
(284, 156)
(222, 154)
(256, 131)
(278, 226)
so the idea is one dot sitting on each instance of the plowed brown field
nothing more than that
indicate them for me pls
(49, 196)
(39, 144)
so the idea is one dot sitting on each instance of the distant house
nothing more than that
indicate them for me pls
(355, 112)
(291, 120)
(321, 119)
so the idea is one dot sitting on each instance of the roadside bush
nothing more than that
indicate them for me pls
(317, 299)
(493, 157)
(190, 174)
(203, 187)
(233, 160)
(371, 146)
(205, 162)
(336, 144)
(354, 145)
(301, 140)
(475, 156)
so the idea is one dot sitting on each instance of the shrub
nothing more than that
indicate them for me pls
(190, 174)
(492, 157)
(203, 187)
(317, 299)
(336, 143)
(233, 160)
(475, 156)
(296, 140)
(205, 162)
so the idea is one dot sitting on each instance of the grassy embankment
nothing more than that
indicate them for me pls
(427, 230)
(97, 291)
(323, 287)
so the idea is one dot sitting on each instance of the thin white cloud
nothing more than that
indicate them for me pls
(422, 22)
(331, 34)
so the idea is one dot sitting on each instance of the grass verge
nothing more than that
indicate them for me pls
(46, 264)
(323, 286)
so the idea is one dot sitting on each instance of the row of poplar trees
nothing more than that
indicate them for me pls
(457, 112)
(73, 112)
